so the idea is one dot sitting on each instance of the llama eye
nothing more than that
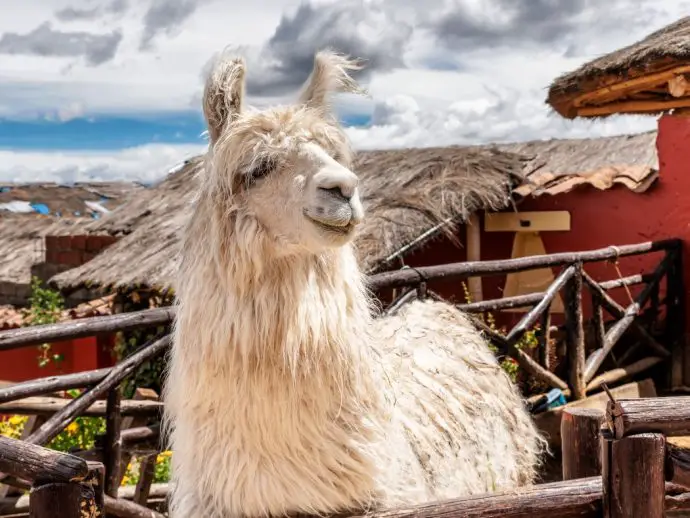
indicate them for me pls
(260, 170)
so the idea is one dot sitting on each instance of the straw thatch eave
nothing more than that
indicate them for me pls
(647, 77)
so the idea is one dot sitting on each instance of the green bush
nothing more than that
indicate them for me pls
(45, 307)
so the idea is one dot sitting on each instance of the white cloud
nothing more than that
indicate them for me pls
(146, 163)
(441, 85)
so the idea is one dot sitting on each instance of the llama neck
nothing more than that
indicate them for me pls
(301, 314)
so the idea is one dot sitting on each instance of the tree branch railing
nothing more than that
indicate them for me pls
(35, 396)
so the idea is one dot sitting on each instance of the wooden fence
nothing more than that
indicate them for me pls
(126, 432)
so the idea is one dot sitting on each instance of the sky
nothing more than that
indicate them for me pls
(111, 89)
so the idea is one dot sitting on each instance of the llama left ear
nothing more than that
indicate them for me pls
(223, 95)
(330, 75)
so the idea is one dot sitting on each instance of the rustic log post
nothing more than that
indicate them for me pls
(147, 471)
(58, 499)
(633, 476)
(598, 327)
(545, 338)
(575, 337)
(113, 442)
(96, 478)
(580, 444)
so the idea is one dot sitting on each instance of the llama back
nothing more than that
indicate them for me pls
(464, 418)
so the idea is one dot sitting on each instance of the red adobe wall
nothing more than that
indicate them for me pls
(602, 218)
(80, 354)
(75, 250)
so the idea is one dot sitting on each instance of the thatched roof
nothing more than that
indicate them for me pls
(22, 244)
(407, 194)
(634, 79)
(404, 193)
(66, 200)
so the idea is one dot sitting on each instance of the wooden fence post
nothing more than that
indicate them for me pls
(575, 336)
(580, 442)
(633, 476)
(63, 499)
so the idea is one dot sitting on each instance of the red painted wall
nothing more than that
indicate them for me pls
(80, 354)
(599, 219)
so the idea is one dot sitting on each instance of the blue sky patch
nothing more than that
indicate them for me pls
(110, 132)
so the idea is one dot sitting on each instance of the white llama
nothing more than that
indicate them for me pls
(284, 395)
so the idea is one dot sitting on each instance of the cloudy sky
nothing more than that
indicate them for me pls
(110, 89)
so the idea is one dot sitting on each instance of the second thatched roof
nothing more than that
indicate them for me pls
(409, 196)
(649, 76)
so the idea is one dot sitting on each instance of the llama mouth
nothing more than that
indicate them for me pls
(331, 228)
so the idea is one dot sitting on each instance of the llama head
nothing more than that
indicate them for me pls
(286, 169)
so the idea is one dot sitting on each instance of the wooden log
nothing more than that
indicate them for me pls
(147, 471)
(605, 301)
(60, 499)
(617, 330)
(581, 451)
(41, 386)
(545, 339)
(36, 335)
(96, 479)
(666, 415)
(399, 302)
(575, 498)
(457, 271)
(633, 476)
(113, 443)
(516, 301)
(20, 504)
(62, 418)
(678, 461)
(38, 464)
(625, 281)
(46, 406)
(525, 361)
(575, 336)
(129, 422)
(32, 424)
(679, 502)
(140, 434)
(549, 422)
(128, 509)
(529, 319)
(615, 375)
(530, 299)
(598, 327)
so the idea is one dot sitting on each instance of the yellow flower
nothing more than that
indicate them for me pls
(16, 420)
(72, 428)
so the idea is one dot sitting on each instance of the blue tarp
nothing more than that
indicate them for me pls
(41, 208)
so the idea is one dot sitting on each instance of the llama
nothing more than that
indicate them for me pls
(285, 394)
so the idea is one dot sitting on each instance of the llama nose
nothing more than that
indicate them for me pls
(338, 181)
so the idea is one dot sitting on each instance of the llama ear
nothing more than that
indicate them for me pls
(330, 75)
(223, 95)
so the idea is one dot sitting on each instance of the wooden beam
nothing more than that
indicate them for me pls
(633, 107)
(625, 87)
